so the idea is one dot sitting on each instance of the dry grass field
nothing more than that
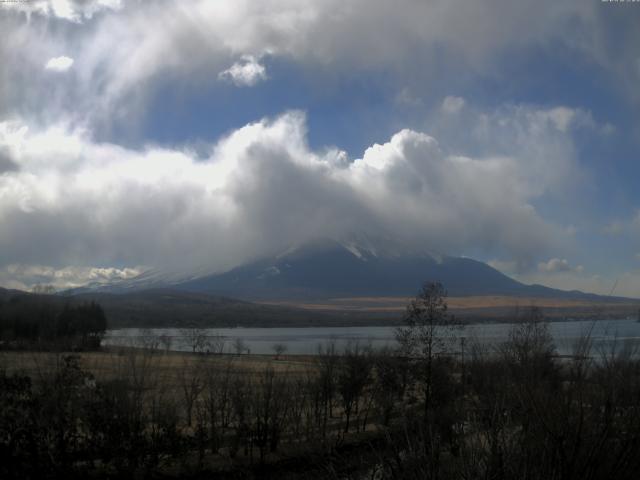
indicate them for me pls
(168, 368)
(473, 307)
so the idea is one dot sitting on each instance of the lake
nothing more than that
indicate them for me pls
(306, 340)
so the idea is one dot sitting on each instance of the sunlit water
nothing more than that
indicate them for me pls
(604, 334)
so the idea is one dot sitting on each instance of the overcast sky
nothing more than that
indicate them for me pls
(204, 134)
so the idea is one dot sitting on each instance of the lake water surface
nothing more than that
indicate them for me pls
(306, 340)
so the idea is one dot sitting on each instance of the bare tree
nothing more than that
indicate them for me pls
(191, 380)
(530, 347)
(239, 346)
(429, 332)
(270, 404)
(326, 382)
(279, 349)
(240, 397)
(214, 344)
(353, 377)
(391, 374)
(166, 342)
(195, 338)
(148, 340)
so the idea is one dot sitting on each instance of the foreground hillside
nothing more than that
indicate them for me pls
(165, 308)
(175, 308)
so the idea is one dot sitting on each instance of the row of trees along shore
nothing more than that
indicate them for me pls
(421, 411)
(33, 320)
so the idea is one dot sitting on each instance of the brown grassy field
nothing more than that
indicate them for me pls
(475, 308)
(168, 368)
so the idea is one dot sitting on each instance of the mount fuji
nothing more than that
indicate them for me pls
(330, 269)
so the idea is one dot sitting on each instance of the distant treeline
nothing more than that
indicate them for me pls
(27, 319)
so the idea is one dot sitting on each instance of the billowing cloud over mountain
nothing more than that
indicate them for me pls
(262, 188)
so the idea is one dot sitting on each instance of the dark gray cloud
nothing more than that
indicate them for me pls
(6, 162)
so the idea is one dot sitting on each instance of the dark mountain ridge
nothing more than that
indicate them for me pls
(330, 269)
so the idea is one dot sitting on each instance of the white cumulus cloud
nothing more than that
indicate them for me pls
(59, 64)
(26, 276)
(554, 265)
(257, 191)
(452, 104)
(245, 73)
(75, 11)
